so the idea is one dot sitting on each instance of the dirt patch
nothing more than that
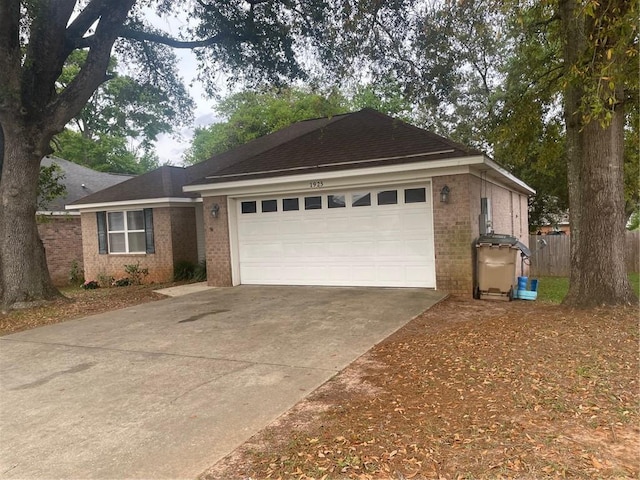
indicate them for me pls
(470, 389)
(77, 303)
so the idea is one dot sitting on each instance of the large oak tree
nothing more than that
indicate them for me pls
(246, 39)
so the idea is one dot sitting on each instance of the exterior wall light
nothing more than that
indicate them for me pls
(214, 210)
(444, 194)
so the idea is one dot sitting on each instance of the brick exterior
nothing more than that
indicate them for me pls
(456, 226)
(174, 239)
(62, 239)
(218, 250)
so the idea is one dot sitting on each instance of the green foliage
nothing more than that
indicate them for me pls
(90, 285)
(123, 282)
(183, 270)
(116, 129)
(135, 274)
(105, 153)
(634, 221)
(49, 186)
(200, 271)
(76, 275)
(105, 280)
(252, 114)
(554, 289)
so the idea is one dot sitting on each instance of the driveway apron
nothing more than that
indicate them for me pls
(166, 389)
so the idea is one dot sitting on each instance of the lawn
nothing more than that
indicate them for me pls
(554, 289)
(470, 389)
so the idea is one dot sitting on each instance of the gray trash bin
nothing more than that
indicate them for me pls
(496, 266)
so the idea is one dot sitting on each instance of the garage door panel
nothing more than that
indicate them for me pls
(372, 245)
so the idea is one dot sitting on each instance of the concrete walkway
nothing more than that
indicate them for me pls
(166, 389)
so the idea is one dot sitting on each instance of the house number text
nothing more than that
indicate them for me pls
(316, 184)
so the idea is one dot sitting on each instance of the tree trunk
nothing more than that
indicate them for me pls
(598, 273)
(24, 277)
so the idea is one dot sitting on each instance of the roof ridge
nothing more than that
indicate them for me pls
(330, 121)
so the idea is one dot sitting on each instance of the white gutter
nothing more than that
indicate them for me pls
(307, 177)
(322, 165)
(134, 203)
(490, 163)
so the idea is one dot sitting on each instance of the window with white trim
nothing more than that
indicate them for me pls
(126, 231)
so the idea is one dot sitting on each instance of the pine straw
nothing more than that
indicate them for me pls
(470, 389)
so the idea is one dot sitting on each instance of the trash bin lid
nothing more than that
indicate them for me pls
(502, 239)
(497, 239)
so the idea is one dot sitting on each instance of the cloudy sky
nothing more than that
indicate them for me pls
(170, 148)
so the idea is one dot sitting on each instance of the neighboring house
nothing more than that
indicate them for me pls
(557, 225)
(60, 230)
(357, 199)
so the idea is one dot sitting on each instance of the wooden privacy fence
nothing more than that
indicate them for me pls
(553, 260)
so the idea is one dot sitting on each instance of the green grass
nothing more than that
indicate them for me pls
(553, 289)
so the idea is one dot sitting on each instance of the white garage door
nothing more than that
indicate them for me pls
(370, 237)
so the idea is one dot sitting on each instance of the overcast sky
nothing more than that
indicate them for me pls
(170, 148)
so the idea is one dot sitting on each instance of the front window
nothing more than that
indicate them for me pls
(126, 232)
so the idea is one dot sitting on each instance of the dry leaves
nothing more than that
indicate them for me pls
(470, 389)
(78, 303)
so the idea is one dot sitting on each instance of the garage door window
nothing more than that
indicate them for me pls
(361, 200)
(312, 203)
(249, 207)
(290, 204)
(269, 206)
(336, 201)
(415, 195)
(388, 197)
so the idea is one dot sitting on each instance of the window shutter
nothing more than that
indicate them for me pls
(102, 232)
(148, 230)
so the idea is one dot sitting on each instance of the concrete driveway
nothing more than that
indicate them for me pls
(164, 390)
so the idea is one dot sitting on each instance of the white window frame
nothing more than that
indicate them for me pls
(126, 231)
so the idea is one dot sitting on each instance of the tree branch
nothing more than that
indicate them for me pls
(172, 42)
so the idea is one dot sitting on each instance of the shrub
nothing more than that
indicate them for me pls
(183, 270)
(135, 274)
(200, 271)
(122, 282)
(76, 275)
(105, 280)
(90, 285)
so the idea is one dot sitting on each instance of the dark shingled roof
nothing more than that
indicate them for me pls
(368, 138)
(162, 182)
(79, 182)
(361, 139)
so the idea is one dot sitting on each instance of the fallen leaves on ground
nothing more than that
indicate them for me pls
(469, 389)
(77, 303)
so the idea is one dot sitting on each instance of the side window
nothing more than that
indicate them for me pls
(388, 197)
(415, 195)
(249, 207)
(312, 203)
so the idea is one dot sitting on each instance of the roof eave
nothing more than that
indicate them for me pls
(138, 203)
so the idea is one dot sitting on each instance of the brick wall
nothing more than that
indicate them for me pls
(456, 226)
(218, 252)
(183, 231)
(160, 263)
(454, 229)
(62, 239)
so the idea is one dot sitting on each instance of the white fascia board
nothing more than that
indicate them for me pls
(407, 172)
(509, 177)
(55, 213)
(141, 203)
